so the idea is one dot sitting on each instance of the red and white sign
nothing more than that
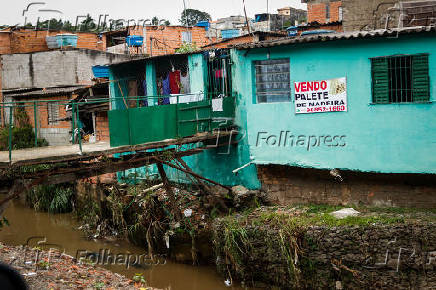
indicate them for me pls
(321, 96)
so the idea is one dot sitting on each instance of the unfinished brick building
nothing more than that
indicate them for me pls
(159, 40)
(323, 11)
(357, 15)
(24, 40)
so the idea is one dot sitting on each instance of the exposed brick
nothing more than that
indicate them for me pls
(317, 12)
(167, 39)
(28, 40)
(289, 186)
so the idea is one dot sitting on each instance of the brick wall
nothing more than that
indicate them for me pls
(242, 39)
(5, 43)
(289, 185)
(42, 112)
(102, 126)
(230, 42)
(26, 41)
(55, 133)
(336, 27)
(316, 12)
(167, 39)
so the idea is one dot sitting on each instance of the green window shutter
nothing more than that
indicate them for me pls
(420, 78)
(380, 80)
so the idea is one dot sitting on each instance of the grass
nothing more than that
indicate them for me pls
(284, 231)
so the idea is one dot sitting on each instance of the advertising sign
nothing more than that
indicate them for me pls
(321, 96)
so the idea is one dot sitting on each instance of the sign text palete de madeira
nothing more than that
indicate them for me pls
(321, 96)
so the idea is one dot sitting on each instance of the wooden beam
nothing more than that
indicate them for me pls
(192, 173)
(174, 208)
(108, 152)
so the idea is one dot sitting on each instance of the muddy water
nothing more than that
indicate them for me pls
(61, 230)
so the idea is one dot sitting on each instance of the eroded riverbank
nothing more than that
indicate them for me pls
(61, 230)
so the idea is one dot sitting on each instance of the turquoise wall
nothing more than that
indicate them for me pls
(391, 138)
(216, 163)
(197, 72)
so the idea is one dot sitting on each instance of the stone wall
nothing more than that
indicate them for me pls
(396, 256)
(287, 185)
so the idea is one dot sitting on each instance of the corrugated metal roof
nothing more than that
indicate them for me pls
(338, 36)
(145, 58)
(47, 92)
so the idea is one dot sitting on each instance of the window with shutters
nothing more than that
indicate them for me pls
(52, 113)
(400, 79)
(273, 82)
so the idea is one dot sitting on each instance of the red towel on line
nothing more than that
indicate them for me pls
(175, 82)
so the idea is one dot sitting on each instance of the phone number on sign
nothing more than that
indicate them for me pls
(327, 109)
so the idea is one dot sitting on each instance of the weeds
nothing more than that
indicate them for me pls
(139, 278)
(51, 198)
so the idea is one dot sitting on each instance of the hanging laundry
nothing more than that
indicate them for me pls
(175, 82)
(159, 87)
(219, 73)
(166, 90)
(185, 83)
(144, 102)
(166, 86)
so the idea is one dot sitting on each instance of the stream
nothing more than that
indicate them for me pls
(61, 230)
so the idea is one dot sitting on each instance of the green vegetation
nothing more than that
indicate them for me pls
(51, 198)
(284, 232)
(139, 278)
(187, 48)
(22, 133)
(191, 17)
(99, 285)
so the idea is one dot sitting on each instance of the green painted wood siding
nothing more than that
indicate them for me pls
(420, 78)
(381, 80)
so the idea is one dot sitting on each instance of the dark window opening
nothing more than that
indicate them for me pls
(327, 12)
(400, 79)
(273, 81)
(219, 73)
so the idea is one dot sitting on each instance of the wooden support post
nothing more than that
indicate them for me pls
(202, 184)
(193, 174)
(174, 208)
(200, 181)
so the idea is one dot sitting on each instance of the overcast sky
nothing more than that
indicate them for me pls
(11, 13)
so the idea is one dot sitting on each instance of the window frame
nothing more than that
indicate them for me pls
(375, 96)
(50, 106)
(254, 77)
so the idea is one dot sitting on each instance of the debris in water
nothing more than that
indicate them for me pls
(188, 212)
(228, 283)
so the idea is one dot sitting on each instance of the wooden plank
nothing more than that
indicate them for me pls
(122, 149)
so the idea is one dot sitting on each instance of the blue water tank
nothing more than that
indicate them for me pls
(135, 40)
(292, 31)
(64, 40)
(204, 24)
(100, 71)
